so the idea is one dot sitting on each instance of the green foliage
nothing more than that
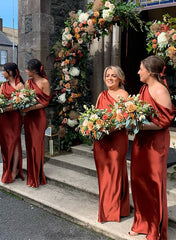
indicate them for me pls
(71, 59)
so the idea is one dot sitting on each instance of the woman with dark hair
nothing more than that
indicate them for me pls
(110, 155)
(35, 123)
(149, 155)
(10, 127)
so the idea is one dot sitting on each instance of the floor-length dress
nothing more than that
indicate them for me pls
(110, 159)
(149, 173)
(35, 125)
(10, 137)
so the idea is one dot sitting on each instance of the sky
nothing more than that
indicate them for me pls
(7, 11)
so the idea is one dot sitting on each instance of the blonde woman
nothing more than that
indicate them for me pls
(110, 155)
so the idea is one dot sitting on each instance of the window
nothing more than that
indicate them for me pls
(3, 57)
(151, 4)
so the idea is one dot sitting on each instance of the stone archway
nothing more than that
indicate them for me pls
(40, 23)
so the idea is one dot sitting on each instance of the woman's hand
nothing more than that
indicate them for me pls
(9, 108)
(31, 108)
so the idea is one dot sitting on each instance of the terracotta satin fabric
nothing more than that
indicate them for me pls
(10, 136)
(110, 159)
(149, 173)
(35, 125)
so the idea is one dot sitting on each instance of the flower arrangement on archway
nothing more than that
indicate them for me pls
(161, 39)
(72, 51)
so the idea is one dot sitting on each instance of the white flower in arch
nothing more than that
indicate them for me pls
(74, 71)
(83, 17)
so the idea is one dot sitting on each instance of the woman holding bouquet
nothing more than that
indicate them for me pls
(110, 155)
(149, 155)
(35, 123)
(10, 127)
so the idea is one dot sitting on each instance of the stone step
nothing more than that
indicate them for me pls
(72, 172)
(75, 206)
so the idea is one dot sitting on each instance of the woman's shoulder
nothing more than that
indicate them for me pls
(123, 93)
(20, 85)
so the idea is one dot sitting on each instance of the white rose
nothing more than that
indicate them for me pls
(72, 123)
(83, 17)
(64, 43)
(118, 111)
(142, 117)
(93, 117)
(67, 78)
(162, 40)
(108, 15)
(80, 40)
(107, 4)
(65, 70)
(74, 71)
(62, 98)
(128, 103)
(111, 6)
(85, 123)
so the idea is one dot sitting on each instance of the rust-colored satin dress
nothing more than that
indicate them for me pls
(35, 125)
(110, 159)
(10, 137)
(149, 173)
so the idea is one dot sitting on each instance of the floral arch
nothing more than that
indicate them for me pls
(72, 52)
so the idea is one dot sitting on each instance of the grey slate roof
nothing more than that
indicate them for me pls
(4, 40)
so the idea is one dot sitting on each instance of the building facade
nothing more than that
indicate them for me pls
(8, 50)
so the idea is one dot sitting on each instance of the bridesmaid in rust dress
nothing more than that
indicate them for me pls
(110, 155)
(35, 124)
(10, 127)
(149, 155)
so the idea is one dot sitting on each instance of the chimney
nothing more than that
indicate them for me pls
(1, 24)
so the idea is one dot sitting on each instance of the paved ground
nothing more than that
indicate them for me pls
(22, 221)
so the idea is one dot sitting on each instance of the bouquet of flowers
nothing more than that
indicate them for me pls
(94, 123)
(131, 113)
(23, 98)
(161, 39)
(4, 102)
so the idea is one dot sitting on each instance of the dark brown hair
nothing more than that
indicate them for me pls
(155, 65)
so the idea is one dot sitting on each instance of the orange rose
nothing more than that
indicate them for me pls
(67, 53)
(17, 100)
(70, 99)
(154, 41)
(27, 94)
(105, 117)
(101, 21)
(82, 130)
(100, 122)
(94, 20)
(125, 115)
(96, 14)
(90, 125)
(154, 46)
(77, 36)
(67, 85)
(119, 117)
(131, 108)
(87, 132)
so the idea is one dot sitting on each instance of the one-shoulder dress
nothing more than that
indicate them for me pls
(10, 137)
(110, 160)
(149, 173)
(35, 125)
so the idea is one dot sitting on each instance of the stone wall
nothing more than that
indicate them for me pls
(40, 25)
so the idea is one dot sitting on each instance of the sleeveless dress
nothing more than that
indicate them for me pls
(35, 125)
(10, 137)
(149, 173)
(110, 159)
